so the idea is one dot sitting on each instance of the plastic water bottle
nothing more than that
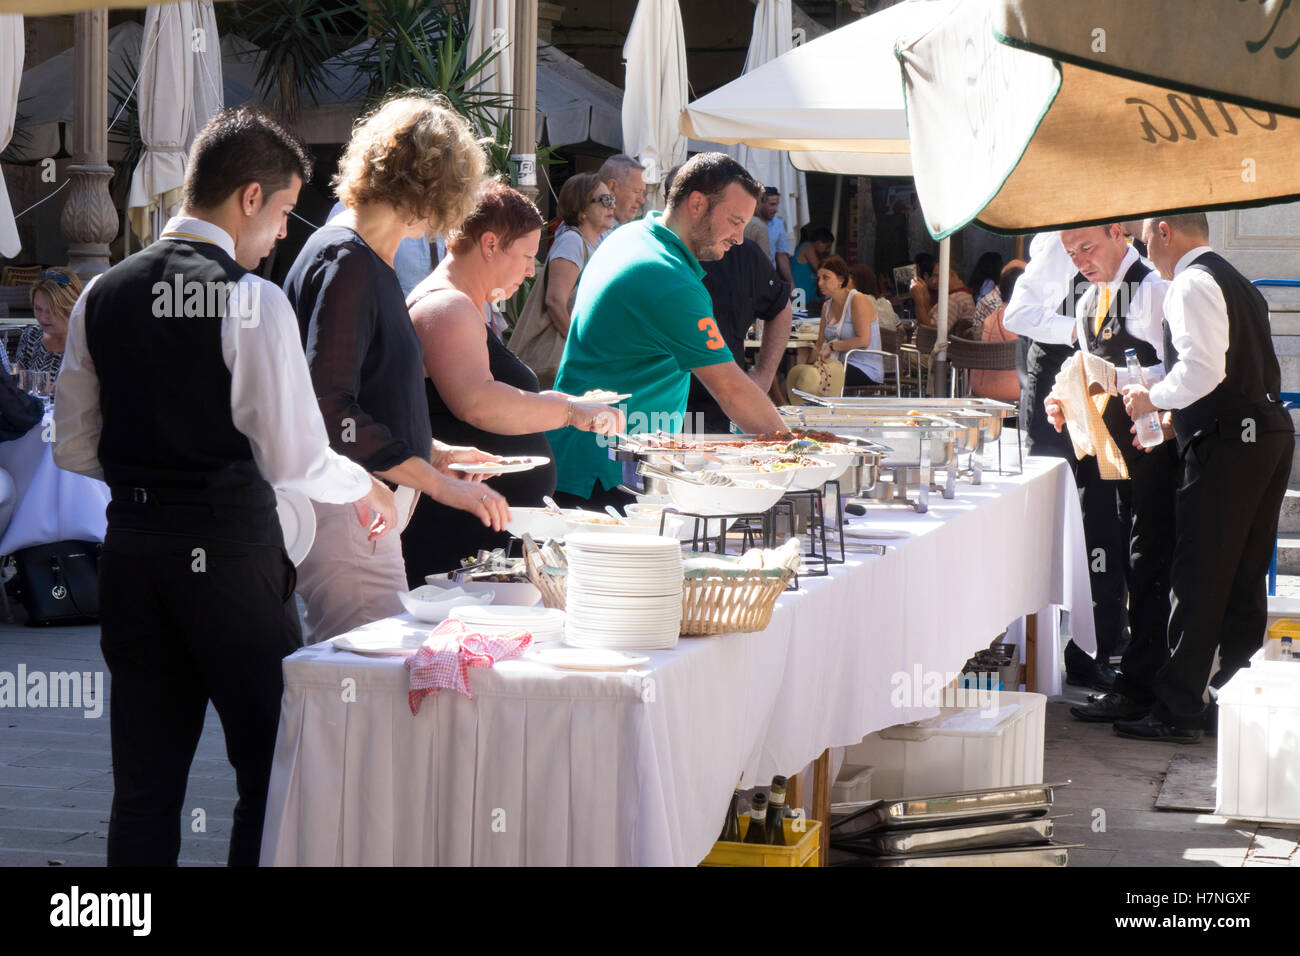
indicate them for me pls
(1149, 432)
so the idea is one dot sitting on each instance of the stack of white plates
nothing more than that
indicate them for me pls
(544, 624)
(623, 591)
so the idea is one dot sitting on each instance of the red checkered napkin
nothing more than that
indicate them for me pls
(447, 654)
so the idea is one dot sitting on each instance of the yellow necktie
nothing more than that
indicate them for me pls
(1103, 309)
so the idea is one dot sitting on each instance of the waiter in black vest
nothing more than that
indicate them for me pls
(185, 388)
(1129, 523)
(1235, 441)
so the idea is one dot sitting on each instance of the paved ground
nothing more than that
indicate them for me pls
(56, 784)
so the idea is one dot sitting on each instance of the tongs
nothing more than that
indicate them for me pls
(698, 478)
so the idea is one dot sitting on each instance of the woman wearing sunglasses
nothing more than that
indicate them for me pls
(40, 348)
(587, 207)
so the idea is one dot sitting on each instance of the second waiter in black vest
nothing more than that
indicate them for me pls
(185, 388)
(1235, 441)
(1128, 523)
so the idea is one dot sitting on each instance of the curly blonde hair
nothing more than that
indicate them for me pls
(61, 288)
(417, 154)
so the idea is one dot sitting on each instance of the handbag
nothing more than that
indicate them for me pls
(59, 583)
(19, 411)
(536, 341)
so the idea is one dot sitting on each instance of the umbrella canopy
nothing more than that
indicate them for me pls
(492, 26)
(575, 105)
(771, 38)
(1020, 142)
(655, 92)
(835, 103)
(180, 78)
(49, 8)
(11, 74)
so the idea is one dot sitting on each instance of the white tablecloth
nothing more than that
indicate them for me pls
(51, 504)
(552, 767)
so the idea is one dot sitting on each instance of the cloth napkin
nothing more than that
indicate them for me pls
(447, 654)
(1084, 385)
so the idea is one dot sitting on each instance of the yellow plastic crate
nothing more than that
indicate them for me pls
(805, 852)
(1286, 627)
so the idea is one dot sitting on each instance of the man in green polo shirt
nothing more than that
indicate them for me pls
(643, 322)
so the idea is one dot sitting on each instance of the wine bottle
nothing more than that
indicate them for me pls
(757, 832)
(776, 812)
(731, 825)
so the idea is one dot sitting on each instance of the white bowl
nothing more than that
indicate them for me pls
(720, 500)
(518, 593)
(431, 604)
(541, 523)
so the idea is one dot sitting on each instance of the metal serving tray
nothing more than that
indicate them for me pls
(914, 441)
(967, 807)
(1054, 854)
(951, 839)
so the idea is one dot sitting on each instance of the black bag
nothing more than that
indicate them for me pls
(19, 412)
(59, 583)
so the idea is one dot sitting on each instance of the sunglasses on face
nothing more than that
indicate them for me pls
(606, 200)
(58, 277)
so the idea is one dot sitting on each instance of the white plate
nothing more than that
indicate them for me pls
(604, 397)
(430, 603)
(297, 521)
(379, 645)
(508, 467)
(510, 616)
(587, 659)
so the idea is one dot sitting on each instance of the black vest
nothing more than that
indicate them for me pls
(1252, 379)
(171, 454)
(1114, 339)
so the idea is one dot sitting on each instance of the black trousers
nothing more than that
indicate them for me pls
(1227, 514)
(1106, 538)
(177, 633)
(1042, 363)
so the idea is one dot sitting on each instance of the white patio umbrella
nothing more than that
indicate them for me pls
(771, 38)
(492, 25)
(11, 75)
(1123, 123)
(836, 103)
(655, 92)
(181, 64)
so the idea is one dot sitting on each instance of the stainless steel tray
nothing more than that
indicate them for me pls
(1054, 854)
(914, 441)
(951, 839)
(969, 806)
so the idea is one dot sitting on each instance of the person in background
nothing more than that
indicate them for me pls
(1234, 442)
(643, 321)
(864, 280)
(479, 392)
(779, 241)
(961, 308)
(193, 420)
(985, 276)
(984, 383)
(755, 230)
(925, 283)
(40, 347)
(586, 204)
(848, 323)
(625, 178)
(365, 357)
(807, 260)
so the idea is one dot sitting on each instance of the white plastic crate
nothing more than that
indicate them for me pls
(966, 748)
(1259, 744)
(853, 785)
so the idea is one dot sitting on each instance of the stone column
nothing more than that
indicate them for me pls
(89, 218)
(523, 123)
(548, 15)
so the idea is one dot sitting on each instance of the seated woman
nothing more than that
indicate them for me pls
(865, 281)
(1003, 386)
(848, 322)
(807, 260)
(40, 348)
(479, 392)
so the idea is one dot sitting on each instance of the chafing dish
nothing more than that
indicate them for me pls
(967, 806)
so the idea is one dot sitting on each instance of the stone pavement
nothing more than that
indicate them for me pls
(56, 783)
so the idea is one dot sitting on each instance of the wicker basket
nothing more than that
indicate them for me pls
(551, 585)
(719, 604)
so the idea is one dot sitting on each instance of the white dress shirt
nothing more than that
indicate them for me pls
(1143, 318)
(271, 397)
(1035, 307)
(1198, 325)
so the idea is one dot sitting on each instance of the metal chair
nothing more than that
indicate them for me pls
(923, 344)
(877, 387)
(966, 355)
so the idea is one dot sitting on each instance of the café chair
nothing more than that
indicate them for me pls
(21, 275)
(965, 356)
(876, 388)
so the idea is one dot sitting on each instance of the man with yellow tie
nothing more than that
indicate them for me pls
(1128, 524)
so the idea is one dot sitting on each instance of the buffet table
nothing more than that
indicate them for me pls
(549, 767)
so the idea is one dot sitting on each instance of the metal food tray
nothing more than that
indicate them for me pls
(913, 441)
(968, 806)
(1054, 854)
(951, 839)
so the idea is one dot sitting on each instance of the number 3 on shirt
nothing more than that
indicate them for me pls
(715, 340)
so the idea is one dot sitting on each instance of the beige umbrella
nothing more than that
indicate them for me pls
(1022, 142)
(182, 53)
(11, 74)
(655, 92)
(49, 8)
(492, 26)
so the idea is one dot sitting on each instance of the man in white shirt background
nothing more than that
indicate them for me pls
(1235, 440)
(1128, 523)
(185, 388)
(777, 239)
